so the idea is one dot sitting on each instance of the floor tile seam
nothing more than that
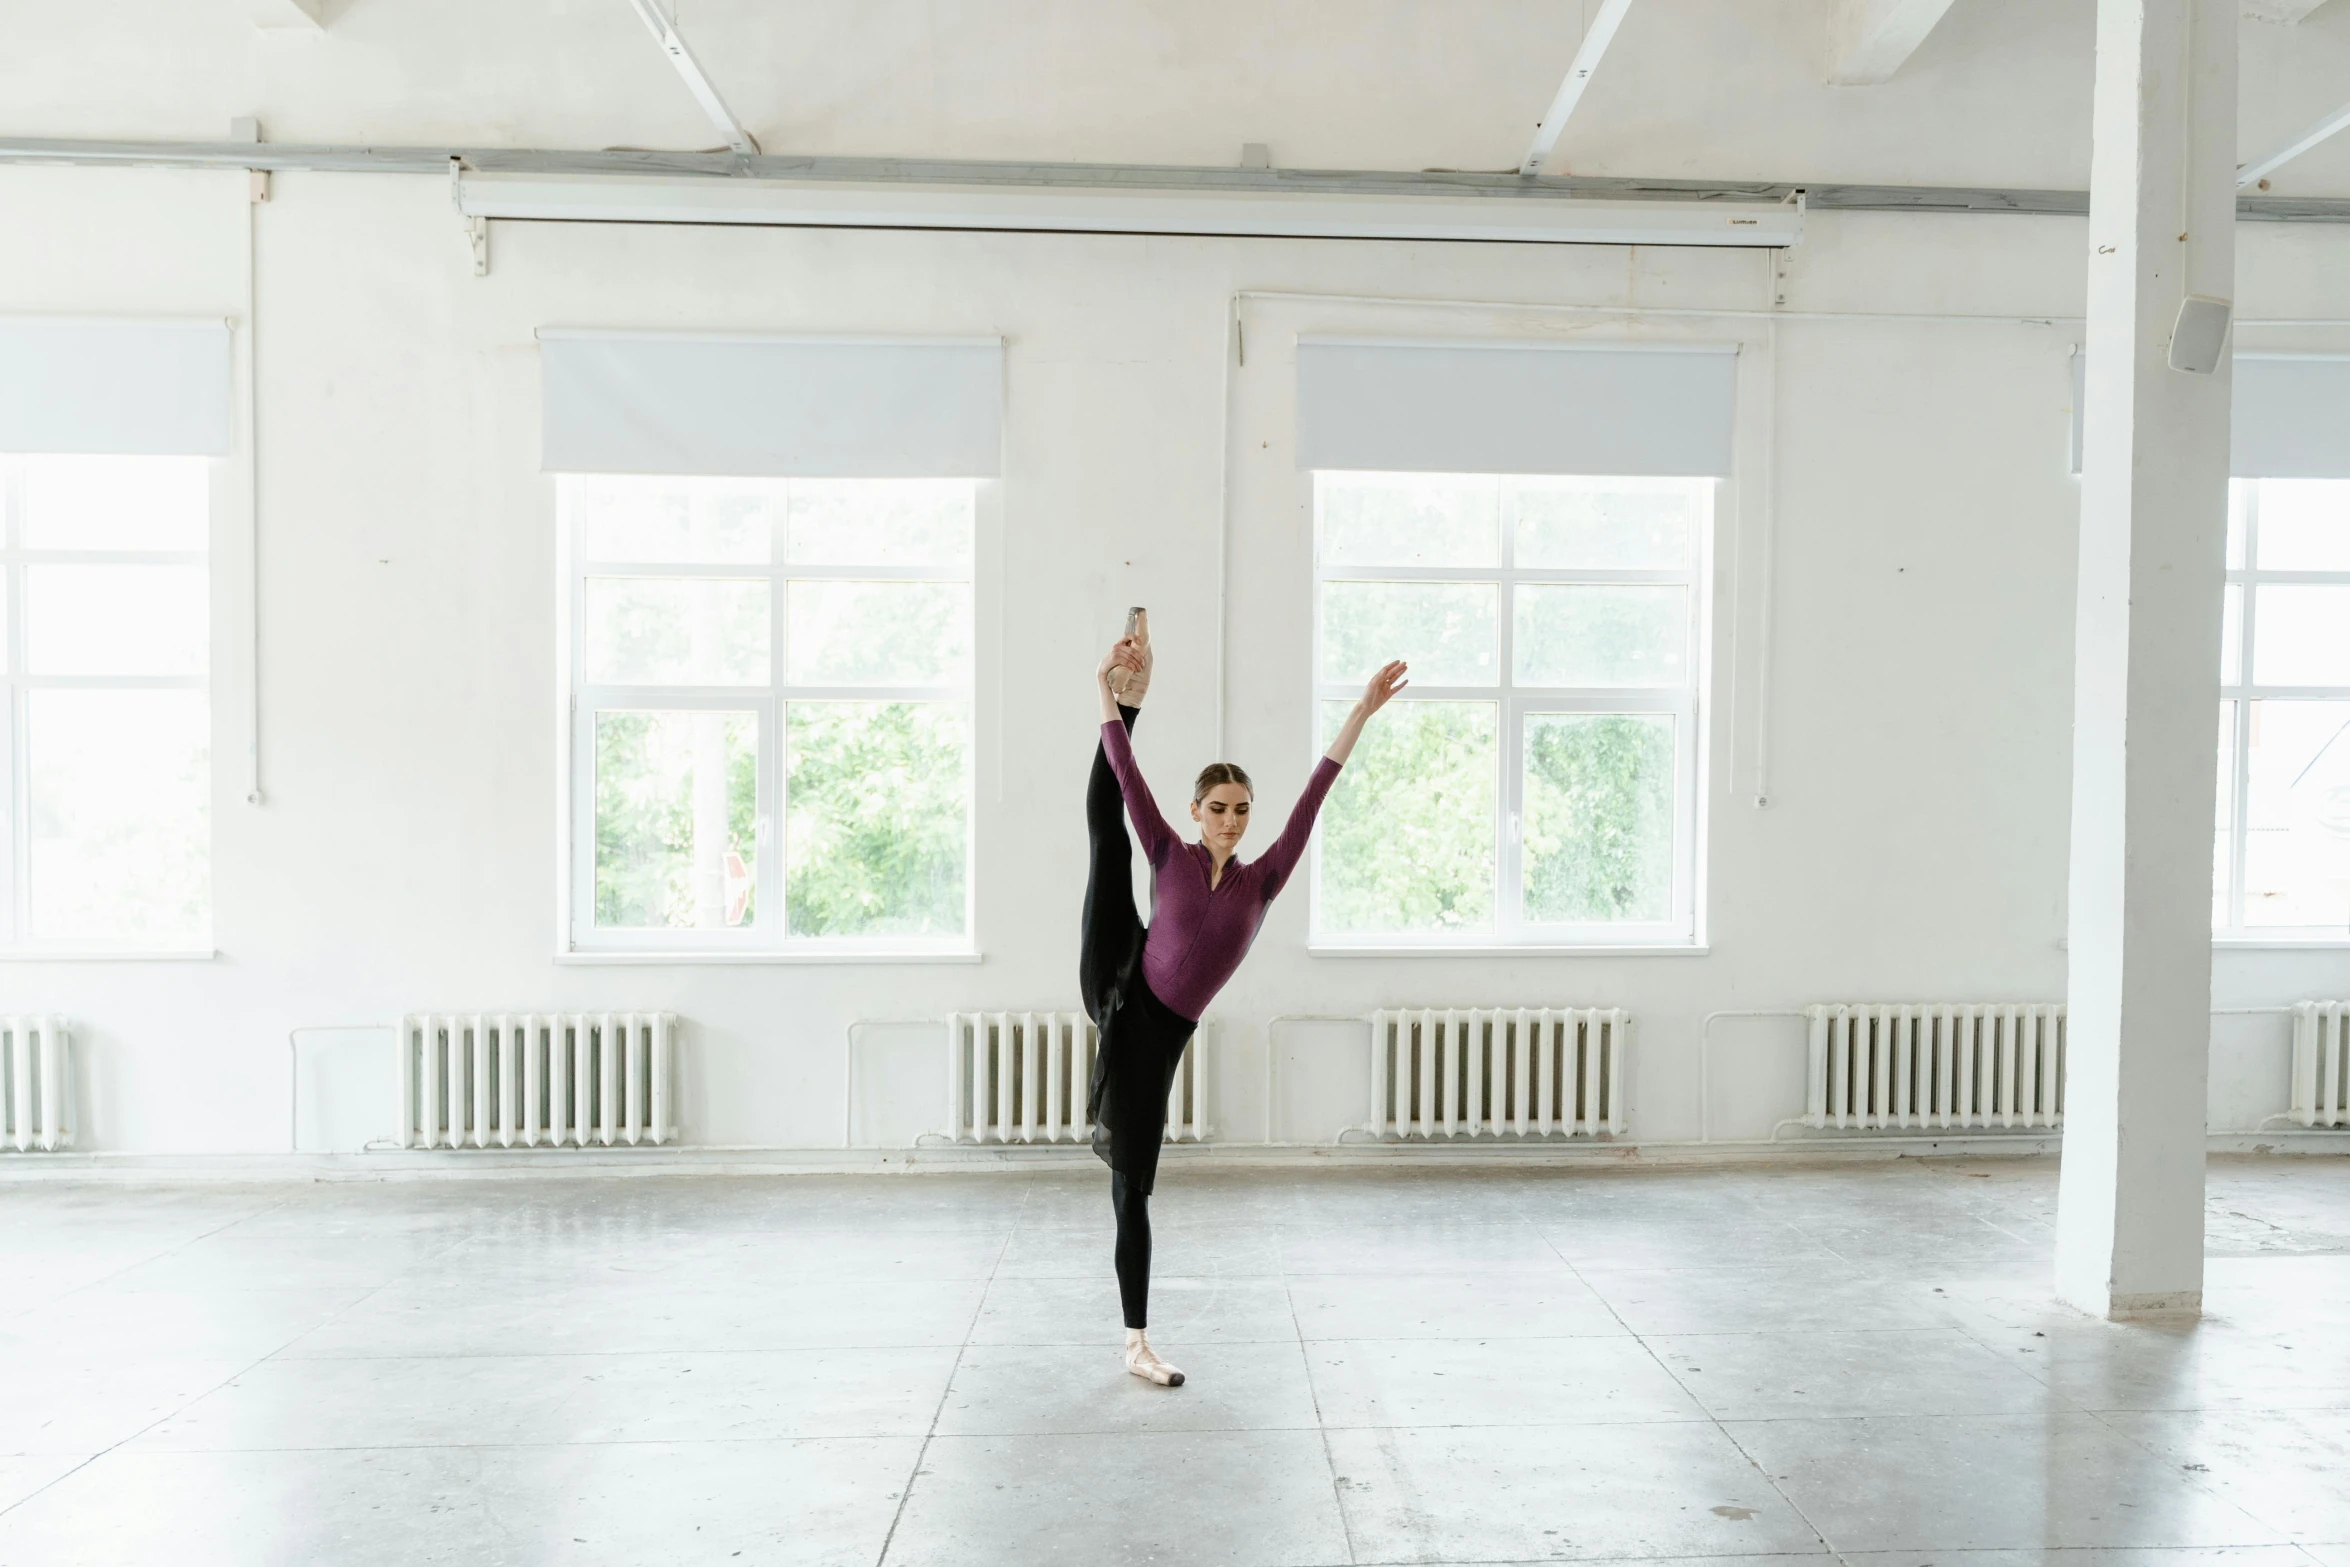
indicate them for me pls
(122, 1442)
(1658, 1360)
(1346, 1531)
(1814, 1334)
(947, 1388)
(2204, 1481)
(688, 1349)
(189, 1403)
(1604, 1561)
(1781, 1492)
(1699, 1419)
(2031, 1372)
(519, 1445)
(169, 1251)
(1471, 1338)
(612, 1354)
(1632, 1333)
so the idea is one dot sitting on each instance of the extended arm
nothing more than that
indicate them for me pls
(1283, 856)
(1149, 826)
(1376, 695)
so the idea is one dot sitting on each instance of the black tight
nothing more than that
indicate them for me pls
(1113, 933)
(1133, 1253)
(1137, 1031)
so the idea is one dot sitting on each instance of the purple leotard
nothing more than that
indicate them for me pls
(1198, 936)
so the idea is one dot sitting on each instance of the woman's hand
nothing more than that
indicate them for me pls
(1375, 696)
(1123, 654)
(1382, 688)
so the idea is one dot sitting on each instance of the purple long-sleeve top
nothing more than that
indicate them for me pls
(1199, 934)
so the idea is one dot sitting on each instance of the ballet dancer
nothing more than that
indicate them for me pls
(1146, 986)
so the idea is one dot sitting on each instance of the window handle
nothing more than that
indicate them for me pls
(763, 830)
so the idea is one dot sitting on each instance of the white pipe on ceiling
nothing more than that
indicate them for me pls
(1032, 209)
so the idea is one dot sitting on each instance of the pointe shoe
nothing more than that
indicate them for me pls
(1130, 685)
(1144, 1362)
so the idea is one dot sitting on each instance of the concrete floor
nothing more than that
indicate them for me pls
(1386, 1366)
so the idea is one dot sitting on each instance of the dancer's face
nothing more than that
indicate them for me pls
(1222, 817)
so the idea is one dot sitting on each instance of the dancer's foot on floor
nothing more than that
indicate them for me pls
(1144, 1362)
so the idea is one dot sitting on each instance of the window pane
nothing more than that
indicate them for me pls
(2231, 635)
(115, 620)
(878, 633)
(880, 522)
(667, 631)
(2239, 497)
(877, 823)
(1408, 832)
(117, 503)
(1605, 524)
(2225, 816)
(2300, 633)
(682, 520)
(1602, 636)
(676, 811)
(2304, 525)
(1407, 519)
(2297, 818)
(1445, 630)
(120, 799)
(1599, 817)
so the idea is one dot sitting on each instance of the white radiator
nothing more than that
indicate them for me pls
(1883, 1067)
(568, 1079)
(2321, 1063)
(36, 1083)
(1483, 1071)
(1021, 1077)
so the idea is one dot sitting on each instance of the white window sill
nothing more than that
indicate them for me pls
(691, 959)
(107, 954)
(2275, 944)
(1505, 949)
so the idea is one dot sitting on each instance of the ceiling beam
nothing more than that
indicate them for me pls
(2285, 11)
(697, 81)
(1869, 40)
(304, 15)
(1596, 38)
(719, 168)
(2268, 163)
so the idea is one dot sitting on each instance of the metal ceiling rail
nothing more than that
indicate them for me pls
(785, 169)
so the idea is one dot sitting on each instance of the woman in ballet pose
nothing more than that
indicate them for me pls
(1145, 987)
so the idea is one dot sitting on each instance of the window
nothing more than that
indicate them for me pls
(771, 712)
(2281, 857)
(105, 642)
(1537, 783)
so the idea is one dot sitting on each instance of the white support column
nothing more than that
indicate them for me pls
(2146, 662)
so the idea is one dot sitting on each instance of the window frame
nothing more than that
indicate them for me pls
(1514, 706)
(2245, 578)
(17, 682)
(580, 938)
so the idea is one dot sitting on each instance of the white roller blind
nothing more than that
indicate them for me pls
(140, 388)
(1534, 408)
(2289, 416)
(783, 407)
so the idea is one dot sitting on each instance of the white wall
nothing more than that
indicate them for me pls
(1914, 844)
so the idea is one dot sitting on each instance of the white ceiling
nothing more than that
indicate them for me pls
(1996, 93)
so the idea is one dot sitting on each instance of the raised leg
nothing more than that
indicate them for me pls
(1113, 929)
